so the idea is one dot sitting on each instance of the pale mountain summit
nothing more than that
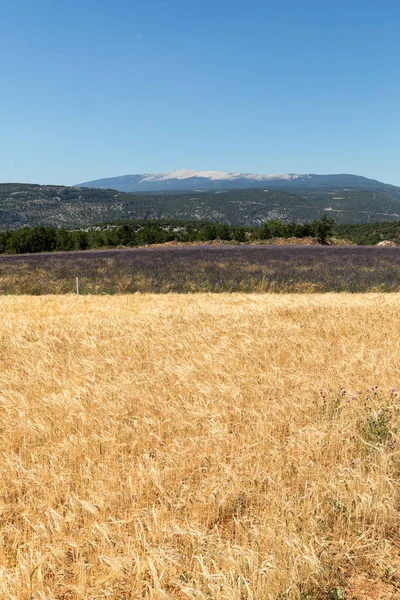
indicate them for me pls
(188, 179)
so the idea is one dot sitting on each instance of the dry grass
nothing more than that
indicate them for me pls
(179, 446)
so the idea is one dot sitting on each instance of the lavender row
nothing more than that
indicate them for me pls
(205, 269)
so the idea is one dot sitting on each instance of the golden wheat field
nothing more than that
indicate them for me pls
(199, 447)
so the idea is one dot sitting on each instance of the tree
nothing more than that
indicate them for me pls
(239, 234)
(208, 232)
(323, 228)
(223, 232)
(63, 240)
(80, 240)
(124, 235)
(273, 229)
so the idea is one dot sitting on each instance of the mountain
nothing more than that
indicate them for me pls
(73, 207)
(187, 180)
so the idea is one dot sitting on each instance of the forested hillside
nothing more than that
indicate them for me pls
(70, 207)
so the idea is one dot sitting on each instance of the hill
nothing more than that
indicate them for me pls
(72, 207)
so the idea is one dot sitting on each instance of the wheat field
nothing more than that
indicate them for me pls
(199, 447)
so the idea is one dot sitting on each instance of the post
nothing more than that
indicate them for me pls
(77, 285)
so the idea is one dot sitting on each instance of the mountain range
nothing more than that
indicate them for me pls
(71, 207)
(186, 180)
(236, 199)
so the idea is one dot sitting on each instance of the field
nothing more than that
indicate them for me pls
(205, 269)
(199, 447)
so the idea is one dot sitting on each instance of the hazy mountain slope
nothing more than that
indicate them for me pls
(23, 204)
(215, 180)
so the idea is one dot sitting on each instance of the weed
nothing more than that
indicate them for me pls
(376, 428)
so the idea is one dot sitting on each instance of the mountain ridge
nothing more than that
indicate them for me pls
(73, 207)
(187, 180)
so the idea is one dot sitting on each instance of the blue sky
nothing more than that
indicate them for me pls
(94, 88)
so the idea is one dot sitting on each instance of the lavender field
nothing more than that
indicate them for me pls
(204, 269)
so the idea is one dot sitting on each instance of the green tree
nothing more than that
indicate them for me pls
(208, 232)
(63, 239)
(323, 228)
(124, 235)
(239, 234)
(223, 232)
(80, 240)
(272, 229)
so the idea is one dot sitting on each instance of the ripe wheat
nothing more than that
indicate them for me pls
(193, 447)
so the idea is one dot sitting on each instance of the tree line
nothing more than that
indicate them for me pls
(369, 233)
(140, 233)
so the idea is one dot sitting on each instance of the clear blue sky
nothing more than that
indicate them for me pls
(98, 88)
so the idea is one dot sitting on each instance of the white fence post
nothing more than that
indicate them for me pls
(77, 285)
